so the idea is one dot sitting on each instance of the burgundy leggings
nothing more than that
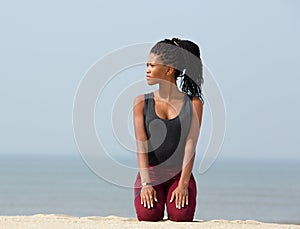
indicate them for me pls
(163, 193)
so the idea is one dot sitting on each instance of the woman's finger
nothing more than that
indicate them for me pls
(178, 200)
(145, 202)
(151, 201)
(187, 199)
(183, 200)
(172, 197)
(155, 198)
(148, 201)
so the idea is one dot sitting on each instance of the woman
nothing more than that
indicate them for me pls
(167, 125)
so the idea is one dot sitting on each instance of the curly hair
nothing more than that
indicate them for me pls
(184, 56)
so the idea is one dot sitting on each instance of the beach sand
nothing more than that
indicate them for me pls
(65, 221)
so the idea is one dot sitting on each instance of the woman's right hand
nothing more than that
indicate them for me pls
(148, 194)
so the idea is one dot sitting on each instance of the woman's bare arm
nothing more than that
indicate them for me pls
(141, 138)
(180, 194)
(191, 142)
(148, 193)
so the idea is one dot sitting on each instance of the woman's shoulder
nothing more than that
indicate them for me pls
(196, 101)
(140, 99)
(144, 96)
(197, 105)
(138, 105)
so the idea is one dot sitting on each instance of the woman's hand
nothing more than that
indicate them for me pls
(148, 194)
(181, 196)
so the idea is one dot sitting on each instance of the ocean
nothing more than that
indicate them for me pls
(266, 190)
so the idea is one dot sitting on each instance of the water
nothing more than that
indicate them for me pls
(264, 190)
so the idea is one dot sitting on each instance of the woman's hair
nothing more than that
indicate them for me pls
(184, 56)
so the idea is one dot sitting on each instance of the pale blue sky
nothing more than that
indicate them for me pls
(252, 48)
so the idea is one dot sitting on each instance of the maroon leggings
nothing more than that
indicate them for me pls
(163, 193)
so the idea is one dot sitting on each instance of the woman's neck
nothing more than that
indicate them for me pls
(168, 90)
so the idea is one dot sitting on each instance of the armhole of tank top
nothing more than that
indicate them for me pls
(191, 105)
(146, 97)
(145, 104)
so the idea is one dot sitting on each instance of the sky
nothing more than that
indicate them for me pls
(251, 47)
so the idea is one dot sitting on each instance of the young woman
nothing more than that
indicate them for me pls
(167, 125)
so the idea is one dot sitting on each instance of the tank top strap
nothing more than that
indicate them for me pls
(148, 103)
(191, 97)
(148, 95)
(188, 106)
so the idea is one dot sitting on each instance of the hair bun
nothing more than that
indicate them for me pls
(176, 41)
(191, 47)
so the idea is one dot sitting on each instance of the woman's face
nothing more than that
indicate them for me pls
(156, 71)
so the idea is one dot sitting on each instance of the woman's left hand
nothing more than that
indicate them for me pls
(181, 196)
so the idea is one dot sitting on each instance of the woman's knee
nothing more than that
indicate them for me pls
(184, 214)
(181, 215)
(150, 214)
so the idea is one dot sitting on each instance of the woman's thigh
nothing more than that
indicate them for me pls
(150, 214)
(187, 212)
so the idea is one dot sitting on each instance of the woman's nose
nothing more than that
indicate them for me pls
(148, 69)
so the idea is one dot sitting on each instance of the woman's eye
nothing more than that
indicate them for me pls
(148, 64)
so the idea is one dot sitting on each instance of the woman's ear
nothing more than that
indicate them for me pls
(170, 71)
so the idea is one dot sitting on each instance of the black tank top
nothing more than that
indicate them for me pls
(166, 137)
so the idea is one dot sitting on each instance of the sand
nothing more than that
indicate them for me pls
(65, 221)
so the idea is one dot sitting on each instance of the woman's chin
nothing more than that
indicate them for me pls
(150, 82)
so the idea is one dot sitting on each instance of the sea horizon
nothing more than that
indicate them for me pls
(266, 190)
